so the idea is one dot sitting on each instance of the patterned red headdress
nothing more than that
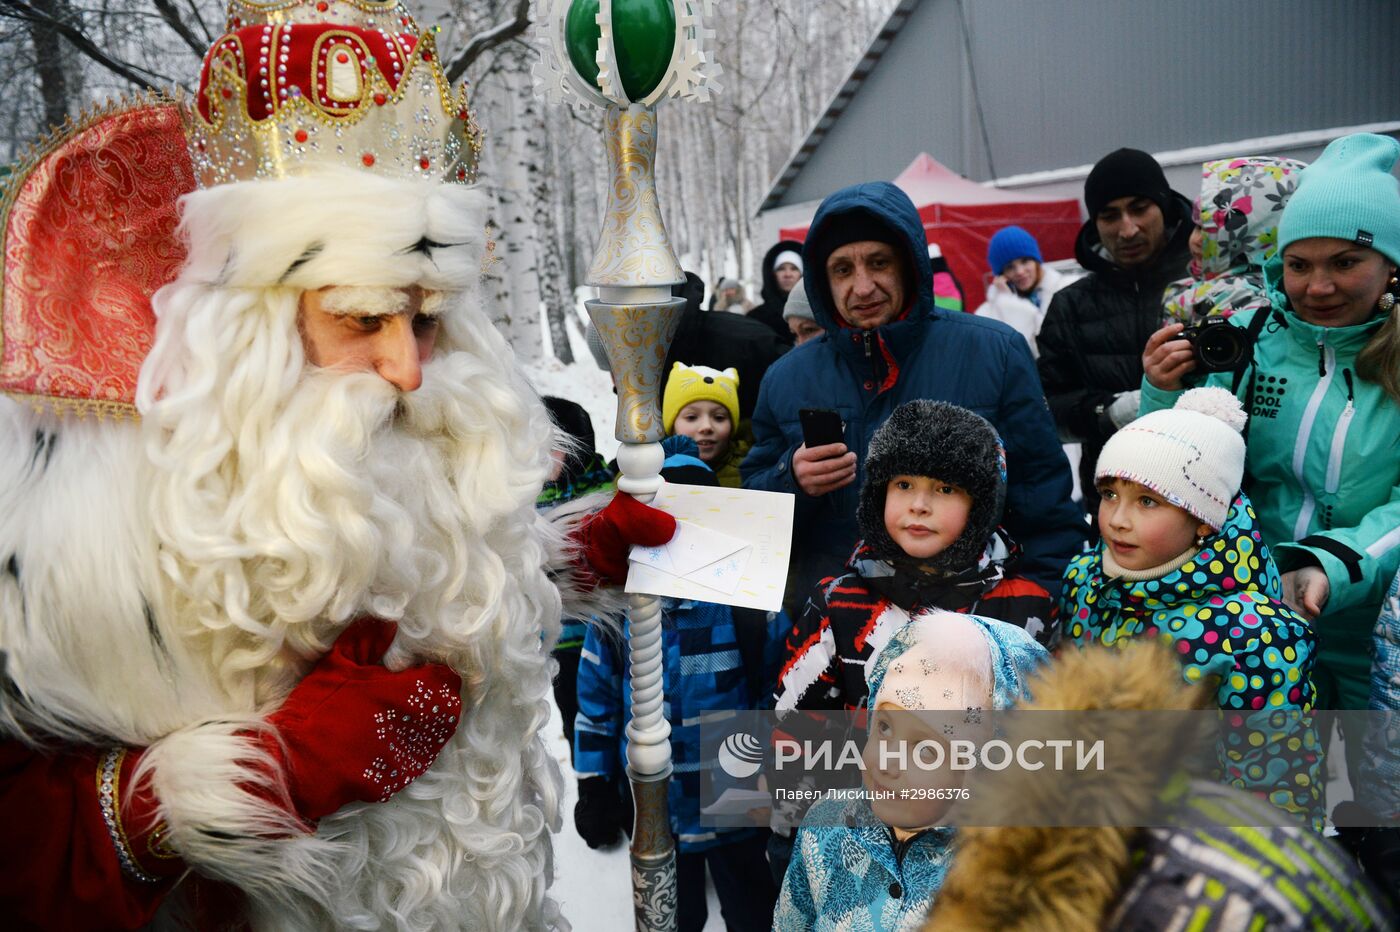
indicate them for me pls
(89, 235)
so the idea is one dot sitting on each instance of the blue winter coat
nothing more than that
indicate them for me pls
(846, 870)
(979, 364)
(703, 677)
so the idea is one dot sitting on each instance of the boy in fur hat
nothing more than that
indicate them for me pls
(877, 862)
(929, 512)
(1181, 560)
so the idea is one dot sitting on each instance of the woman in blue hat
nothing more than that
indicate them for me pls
(1022, 286)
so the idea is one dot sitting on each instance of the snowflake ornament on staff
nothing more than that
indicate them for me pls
(626, 56)
(614, 53)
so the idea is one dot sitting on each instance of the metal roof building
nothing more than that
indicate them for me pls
(1028, 95)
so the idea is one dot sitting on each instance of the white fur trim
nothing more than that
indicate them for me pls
(583, 601)
(202, 776)
(334, 228)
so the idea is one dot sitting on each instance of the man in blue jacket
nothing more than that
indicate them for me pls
(870, 285)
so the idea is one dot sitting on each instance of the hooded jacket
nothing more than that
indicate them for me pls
(1233, 867)
(1323, 471)
(1241, 203)
(849, 618)
(929, 353)
(1092, 337)
(770, 312)
(847, 869)
(1222, 612)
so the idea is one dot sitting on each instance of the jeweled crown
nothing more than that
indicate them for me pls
(297, 85)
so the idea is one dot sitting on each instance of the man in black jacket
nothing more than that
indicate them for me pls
(782, 269)
(1134, 243)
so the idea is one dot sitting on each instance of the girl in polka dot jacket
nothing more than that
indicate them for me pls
(1181, 559)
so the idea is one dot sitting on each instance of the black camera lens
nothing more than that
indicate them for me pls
(1219, 347)
(1220, 350)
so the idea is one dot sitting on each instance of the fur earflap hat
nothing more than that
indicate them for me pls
(943, 441)
(1192, 455)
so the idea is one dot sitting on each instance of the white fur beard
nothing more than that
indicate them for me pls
(335, 497)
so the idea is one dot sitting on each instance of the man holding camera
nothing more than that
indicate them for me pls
(870, 284)
(1135, 242)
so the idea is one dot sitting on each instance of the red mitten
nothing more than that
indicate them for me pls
(354, 731)
(607, 537)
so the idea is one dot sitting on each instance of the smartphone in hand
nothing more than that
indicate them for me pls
(821, 426)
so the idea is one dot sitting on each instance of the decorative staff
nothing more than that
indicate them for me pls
(626, 56)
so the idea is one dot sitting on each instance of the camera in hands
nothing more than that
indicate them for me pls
(1219, 347)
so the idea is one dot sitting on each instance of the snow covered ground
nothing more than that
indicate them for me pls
(594, 888)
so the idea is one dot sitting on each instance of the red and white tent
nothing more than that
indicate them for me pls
(961, 216)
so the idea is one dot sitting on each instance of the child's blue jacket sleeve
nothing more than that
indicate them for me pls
(598, 727)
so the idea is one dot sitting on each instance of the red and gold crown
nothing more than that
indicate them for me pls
(296, 85)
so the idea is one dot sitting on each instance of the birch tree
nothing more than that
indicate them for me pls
(542, 164)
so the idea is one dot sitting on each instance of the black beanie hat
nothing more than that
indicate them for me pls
(942, 441)
(853, 226)
(571, 418)
(1126, 173)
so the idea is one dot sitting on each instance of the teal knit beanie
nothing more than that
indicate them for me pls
(1348, 193)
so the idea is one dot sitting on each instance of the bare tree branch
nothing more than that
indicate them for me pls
(484, 42)
(203, 27)
(18, 9)
(175, 22)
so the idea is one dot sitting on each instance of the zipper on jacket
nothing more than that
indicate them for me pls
(1325, 361)
(869, 353)
(1339, 437)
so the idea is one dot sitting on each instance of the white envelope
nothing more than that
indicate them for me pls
(731, 546)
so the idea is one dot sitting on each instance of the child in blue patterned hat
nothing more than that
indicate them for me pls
(1181, 559)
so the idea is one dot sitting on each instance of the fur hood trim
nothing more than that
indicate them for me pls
(1043, 878)
(334, 228)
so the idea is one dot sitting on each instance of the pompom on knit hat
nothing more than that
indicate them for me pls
(687, 384)
(1009, 244)
(1192, 454)
(1127, 173)
(1350, 194)
(797, 304)
(942, 441)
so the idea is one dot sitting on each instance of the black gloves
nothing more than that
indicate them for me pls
(604, 809)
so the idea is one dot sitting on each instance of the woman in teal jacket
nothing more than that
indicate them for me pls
(1323, 394)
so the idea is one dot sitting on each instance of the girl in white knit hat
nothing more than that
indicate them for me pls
(1181, 559)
